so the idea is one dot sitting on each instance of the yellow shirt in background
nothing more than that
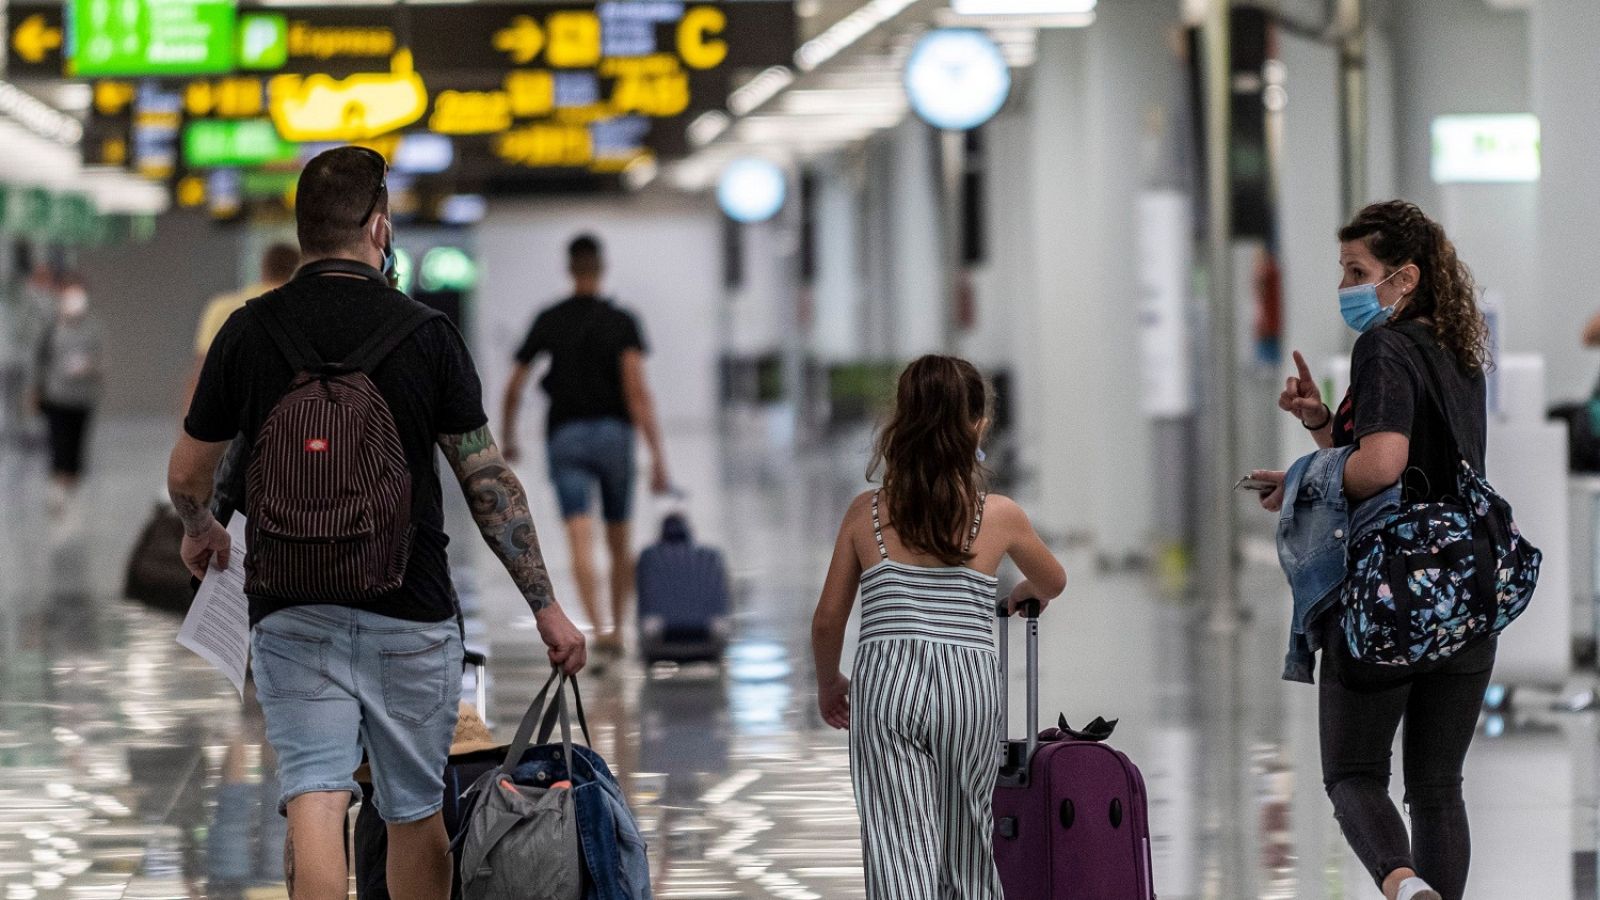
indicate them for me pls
(217, 312)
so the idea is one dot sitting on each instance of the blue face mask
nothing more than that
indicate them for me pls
(389, 261)
(1361, 308)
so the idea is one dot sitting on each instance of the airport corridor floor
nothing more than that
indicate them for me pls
(128, 769)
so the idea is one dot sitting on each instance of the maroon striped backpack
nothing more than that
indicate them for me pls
(328, 486)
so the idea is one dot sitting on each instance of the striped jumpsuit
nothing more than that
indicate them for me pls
(924, 726)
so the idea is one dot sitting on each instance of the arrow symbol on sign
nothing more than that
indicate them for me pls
(35, 38)
(522, 39)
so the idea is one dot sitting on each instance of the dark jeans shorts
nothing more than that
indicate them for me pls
(593, 452)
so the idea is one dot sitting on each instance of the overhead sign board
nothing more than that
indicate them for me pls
(211, 143)
(1486, 149)
(514, 89)
(36, 33)
(151, 37)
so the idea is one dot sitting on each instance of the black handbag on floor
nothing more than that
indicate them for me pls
(156, 574)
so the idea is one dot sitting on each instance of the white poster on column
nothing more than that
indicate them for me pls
(1165, 262)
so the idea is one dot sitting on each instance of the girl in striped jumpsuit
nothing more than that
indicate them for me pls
(924, 708)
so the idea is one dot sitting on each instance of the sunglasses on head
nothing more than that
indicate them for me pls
(383, 180)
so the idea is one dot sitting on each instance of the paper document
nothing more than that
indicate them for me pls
(218, 625)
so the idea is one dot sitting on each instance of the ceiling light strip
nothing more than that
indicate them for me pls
(38, 116)
(847, 31)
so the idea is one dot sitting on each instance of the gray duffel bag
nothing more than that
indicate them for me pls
(521, 842)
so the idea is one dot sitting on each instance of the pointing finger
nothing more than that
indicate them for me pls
(1300, 363)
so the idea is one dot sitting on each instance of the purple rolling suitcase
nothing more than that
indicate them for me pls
(1070, 816)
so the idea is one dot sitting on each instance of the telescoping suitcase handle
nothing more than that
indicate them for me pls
(1016, 755)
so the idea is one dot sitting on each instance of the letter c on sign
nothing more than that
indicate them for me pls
(697, 43)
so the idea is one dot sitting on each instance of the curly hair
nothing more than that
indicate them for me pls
(928, 453)
(1398, 233)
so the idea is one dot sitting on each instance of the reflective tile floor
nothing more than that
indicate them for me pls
(128, 769)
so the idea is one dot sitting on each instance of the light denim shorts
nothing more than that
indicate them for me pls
(334, 680)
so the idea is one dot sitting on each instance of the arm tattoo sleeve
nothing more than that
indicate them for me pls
(194, 512)
(500, 507)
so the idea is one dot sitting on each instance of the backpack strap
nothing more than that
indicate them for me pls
(333, 266)
(290, 341)
(390, 334)
(1434, 387)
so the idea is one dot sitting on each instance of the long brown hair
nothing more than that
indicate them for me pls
(928, 454)
(1398, 233)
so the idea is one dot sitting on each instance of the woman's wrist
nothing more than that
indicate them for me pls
(1327, 419)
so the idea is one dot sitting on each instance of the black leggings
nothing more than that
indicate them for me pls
(67, 425)
(1359, 713)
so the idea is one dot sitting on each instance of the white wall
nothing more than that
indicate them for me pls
(148, 298)
(664, 264)
(1455, 57)
(1565, 92)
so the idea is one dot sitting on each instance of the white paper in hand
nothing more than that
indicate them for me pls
(218, 625)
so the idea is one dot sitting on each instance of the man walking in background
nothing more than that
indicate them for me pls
(598, 397)
(344, 388)
(278, 263)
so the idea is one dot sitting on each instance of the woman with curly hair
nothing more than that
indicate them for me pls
(1405, 291)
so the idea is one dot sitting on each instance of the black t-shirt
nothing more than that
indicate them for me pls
(1388, 392)
(585, 337)
(429, 382)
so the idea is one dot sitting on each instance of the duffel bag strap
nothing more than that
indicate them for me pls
(547, 726)
(530, 720)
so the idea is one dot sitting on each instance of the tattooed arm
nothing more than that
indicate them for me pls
(189, 479)
(500, 507)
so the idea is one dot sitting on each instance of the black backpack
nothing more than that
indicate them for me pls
(329, 490)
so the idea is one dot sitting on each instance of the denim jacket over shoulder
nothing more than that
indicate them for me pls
(1314, 529)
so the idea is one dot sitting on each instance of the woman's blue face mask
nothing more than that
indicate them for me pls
(1361, 308)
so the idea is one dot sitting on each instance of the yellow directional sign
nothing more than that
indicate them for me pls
(521, 41)
(35, 38)
(357, 108)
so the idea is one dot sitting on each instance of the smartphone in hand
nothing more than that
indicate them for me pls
(1259, 485)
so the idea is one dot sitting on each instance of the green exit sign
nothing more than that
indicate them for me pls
(220, 143)
(127, 38)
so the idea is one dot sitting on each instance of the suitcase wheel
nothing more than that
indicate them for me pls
(1068, 813)
(1116, 812)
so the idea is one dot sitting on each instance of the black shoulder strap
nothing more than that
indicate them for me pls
(389, 336)
(290, 341)
(1435, 389)
(341, 267)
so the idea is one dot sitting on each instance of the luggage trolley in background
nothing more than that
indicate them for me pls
(1070, 813)
(682, 588)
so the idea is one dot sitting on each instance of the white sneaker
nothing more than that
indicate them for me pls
(1416, 889)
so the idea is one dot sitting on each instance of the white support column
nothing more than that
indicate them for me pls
(1565, 88)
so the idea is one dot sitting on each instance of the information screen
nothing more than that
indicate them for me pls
(131, 38)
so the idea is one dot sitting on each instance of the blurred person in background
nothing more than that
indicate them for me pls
(28, 306)
(278, 263)
(67, 382)
(598, 397)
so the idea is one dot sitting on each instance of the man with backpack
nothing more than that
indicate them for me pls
(343, 387)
